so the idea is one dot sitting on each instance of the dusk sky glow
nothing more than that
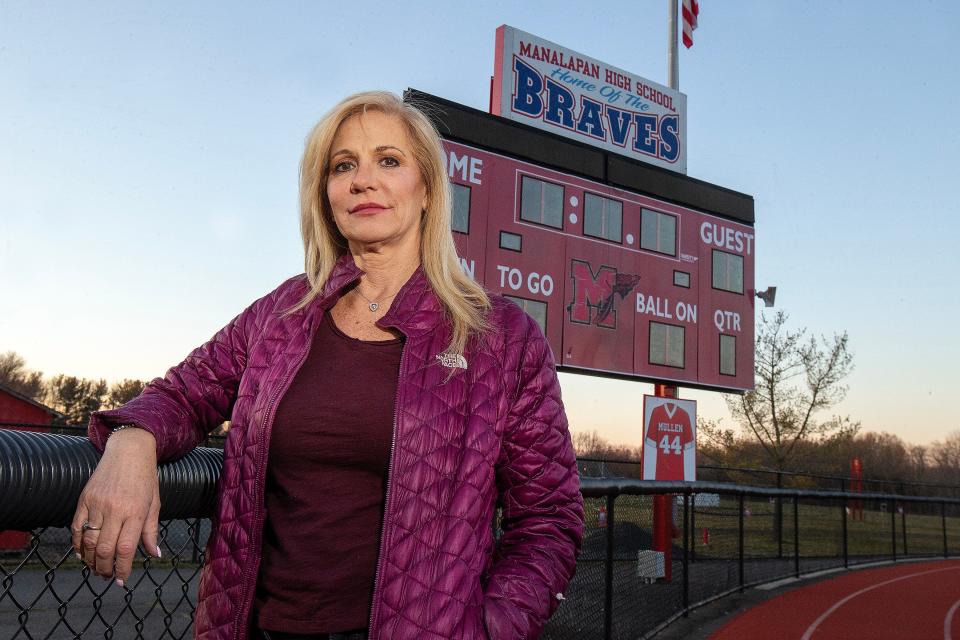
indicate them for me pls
(149, 159)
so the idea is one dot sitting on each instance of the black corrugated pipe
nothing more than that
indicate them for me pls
(42, 475)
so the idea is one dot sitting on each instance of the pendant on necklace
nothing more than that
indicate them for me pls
(374, 306)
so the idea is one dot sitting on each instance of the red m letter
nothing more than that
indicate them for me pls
(592, 293)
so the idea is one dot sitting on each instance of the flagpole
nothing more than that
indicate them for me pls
(673, 71)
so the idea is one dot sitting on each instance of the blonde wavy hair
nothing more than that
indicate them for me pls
(464, 300)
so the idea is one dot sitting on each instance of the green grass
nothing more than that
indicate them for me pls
(820, 524)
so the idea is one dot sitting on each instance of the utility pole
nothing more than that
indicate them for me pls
(673, 69)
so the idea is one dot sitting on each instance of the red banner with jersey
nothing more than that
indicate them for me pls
(670, 439)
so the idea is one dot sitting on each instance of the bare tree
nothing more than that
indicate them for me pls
(123, 392)
(76, 398)
(797, 377)
(15, 375)
(719, 440)
(608, 459)
(946, 456)
(919, 459)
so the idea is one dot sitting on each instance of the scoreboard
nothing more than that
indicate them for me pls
(630, 270)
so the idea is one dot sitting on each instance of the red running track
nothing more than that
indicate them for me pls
(916, 600)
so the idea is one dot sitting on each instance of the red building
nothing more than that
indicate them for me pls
(17, 411)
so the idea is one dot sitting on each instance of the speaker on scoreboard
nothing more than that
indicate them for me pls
(768, 296)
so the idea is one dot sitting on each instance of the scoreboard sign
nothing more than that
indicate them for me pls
(548, 86)
(620, 282)
(631, 271)
(670, 440)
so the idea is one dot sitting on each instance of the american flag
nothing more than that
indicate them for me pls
(690, 11)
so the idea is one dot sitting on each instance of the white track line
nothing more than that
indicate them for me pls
(948, 621)
(816, 623)
(770, 586)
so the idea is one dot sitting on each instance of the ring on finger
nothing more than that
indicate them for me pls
(86, 526)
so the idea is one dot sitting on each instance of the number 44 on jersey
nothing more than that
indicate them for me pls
(670, 442)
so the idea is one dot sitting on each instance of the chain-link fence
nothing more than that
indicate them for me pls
(729, 537)
(720, 538)
(46, 593)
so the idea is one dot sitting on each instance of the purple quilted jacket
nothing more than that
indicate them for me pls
(494, 429)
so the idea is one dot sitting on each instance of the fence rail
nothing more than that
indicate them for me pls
(606, 467)
(729, 537)
(609, 467)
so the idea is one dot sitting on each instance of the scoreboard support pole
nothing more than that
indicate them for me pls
(663, 506)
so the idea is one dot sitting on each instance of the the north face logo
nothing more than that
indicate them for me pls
(452, 360)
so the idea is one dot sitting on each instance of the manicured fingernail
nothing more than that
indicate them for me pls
(79, 557)
(159, 555)
(119, 583)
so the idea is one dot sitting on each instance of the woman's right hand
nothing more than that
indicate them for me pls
(122, 502)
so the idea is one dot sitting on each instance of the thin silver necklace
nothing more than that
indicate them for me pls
(372, 304)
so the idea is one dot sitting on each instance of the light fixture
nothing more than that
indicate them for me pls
(768, 296)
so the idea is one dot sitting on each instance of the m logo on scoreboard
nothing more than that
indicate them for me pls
(670, 442)
(595, 294)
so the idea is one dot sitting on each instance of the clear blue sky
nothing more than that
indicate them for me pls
(149, 152)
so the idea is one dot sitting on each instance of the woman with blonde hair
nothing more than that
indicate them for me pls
(381, 404)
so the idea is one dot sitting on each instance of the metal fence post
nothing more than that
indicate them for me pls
(893, 528)
(693, 528)
(779, 515)
(740, 541)
(943, 520)
(686, 554)
(903, 522)
(796, 536)
(843, 511)
(608, 581)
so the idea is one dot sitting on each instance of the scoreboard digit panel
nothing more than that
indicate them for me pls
(523, 261)
(622, 283)
(727, 298)
(470, 202)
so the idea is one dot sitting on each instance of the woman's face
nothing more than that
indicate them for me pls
(374, 185)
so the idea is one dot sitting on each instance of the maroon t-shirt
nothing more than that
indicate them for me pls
(326, 479)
